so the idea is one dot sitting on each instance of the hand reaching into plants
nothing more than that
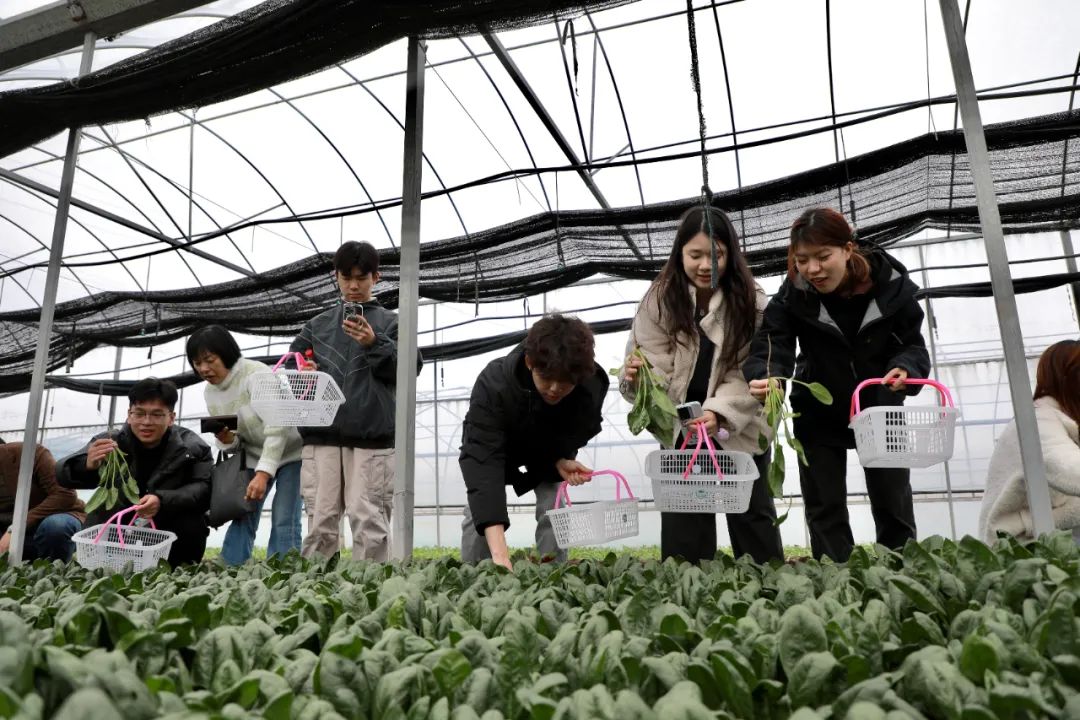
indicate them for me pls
(496, 540)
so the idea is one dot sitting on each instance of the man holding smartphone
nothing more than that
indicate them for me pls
(348, 467)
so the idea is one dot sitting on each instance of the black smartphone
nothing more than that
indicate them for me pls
(214, 425)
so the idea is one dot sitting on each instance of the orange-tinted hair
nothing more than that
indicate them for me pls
(826, 227)
(1058, 376)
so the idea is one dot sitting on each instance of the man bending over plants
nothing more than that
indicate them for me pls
(529, 415)
(160, 468)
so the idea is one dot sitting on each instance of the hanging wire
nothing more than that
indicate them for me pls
(931, 126)
(706, 193)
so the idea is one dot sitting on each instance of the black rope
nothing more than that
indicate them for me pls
(706, 193)
(832, 97)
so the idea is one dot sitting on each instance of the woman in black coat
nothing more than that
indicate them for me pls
(854, 314)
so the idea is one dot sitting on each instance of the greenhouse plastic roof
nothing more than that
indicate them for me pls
(309, 162)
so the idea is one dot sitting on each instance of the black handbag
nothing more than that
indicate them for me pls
(228, 486)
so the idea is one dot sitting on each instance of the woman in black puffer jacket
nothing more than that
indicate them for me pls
(854, 314)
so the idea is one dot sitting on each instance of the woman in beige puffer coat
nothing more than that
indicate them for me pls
(696, 338)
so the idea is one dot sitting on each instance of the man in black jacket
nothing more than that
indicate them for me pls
(529, 414)
(170, 464)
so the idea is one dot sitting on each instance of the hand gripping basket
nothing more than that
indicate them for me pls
(684, 481)
(295, 398)
(597, 522)
(900, 436)
(115, 547)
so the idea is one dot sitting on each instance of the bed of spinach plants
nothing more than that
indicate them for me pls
(959, 631)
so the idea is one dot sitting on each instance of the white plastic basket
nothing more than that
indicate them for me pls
(689, 481)
(117, 548)
(295, 398)
(897, 436)
(598, 522)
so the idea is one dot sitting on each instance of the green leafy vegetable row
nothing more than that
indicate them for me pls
(944, 629)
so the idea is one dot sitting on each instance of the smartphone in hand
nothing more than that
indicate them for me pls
(216, 424)
(353, 311)
(689, 411)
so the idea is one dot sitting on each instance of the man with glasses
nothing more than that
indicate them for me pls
(170, 464)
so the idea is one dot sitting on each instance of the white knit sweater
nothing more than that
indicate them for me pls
(1005, 505)
(267, 448)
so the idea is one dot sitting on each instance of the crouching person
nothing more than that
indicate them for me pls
(170, 464)
(55, 513)
(529, 414)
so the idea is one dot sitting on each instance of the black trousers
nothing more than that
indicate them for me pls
(824, 488)
(692, 536)
(191, 533)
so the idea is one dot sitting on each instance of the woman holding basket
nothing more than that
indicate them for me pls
(695, 337)
(854, 314)
(273, 452)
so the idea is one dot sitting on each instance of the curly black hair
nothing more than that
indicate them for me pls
(561, 348)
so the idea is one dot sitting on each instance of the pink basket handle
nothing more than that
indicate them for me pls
(284, 358)
(563, 495)
(946, 396)
(119, 526)
(699, 431)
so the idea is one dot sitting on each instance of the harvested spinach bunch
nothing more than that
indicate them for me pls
(778, 413)
(653, 409)
(115, 476)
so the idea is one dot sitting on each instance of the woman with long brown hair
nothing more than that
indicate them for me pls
(1057, 413)
(696, 337)
(854, 314)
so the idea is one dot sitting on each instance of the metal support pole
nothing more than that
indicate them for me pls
(401, 537)
(115, 376)
(931, 325)
(435, 409)
(48, 309)
(1070, 265)
(1012, 339)
(180, 391)
(44, 415)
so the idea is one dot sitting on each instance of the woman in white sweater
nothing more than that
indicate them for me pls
(1057, 411)
(273, 452)
(696, 339)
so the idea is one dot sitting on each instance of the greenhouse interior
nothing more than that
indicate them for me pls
(171, 164)
(245, 172)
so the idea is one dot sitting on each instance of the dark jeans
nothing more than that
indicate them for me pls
(51, 538)
(692, 536)
(824, 488)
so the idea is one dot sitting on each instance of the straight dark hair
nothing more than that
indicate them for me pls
(356, 255)
(739, 311)
(152, 388)
(213, 339)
